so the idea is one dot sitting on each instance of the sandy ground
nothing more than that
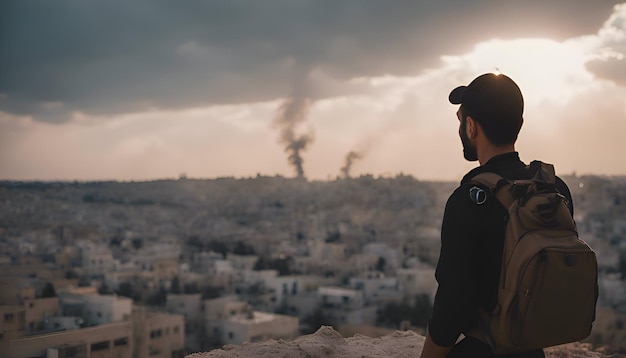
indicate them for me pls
(326, 342)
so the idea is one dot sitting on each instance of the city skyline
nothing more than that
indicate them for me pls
(153, 90)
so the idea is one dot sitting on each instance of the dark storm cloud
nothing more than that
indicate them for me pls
(115, 56)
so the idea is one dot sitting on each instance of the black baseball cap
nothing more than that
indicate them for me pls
(496, 103)
(491, 98)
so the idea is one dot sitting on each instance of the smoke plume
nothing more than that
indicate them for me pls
(350, 158)
(290, 115)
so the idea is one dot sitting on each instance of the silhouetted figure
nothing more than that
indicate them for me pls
(473, 229)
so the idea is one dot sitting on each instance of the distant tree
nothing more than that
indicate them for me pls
(392, 314)
(84, 281)
(115, 241)
(241, 248)
(314, 321)
(104, 289)
(191, 288)
(126, 289)
(211, 292)
(89, 198)
(334, 236)
(381, 264)
(260, 264)
(159, 298)
(218, 246)
(212, 341)
(175, 286)
(48, 291)
(137, 243)
(195, 242)
(282, 265)
(622, 264)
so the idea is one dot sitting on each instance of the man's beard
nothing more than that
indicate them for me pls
(469, 150)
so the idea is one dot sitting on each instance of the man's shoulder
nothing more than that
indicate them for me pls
(471, 174)
(461, 196)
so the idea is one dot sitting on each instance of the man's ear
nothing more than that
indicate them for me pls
(471, 129)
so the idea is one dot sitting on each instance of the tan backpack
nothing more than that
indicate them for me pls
(548, 286)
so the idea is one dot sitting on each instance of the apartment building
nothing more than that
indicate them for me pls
(38, 311)
(216, 311)
(12, 322)
(28, 318)
(190, 307)
(102, 341)
(157, 334)
(96, 259)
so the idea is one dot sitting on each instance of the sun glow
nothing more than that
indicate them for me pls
(548, 69)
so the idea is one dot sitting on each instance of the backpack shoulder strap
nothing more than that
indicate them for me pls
(544, 177)
(497, 187)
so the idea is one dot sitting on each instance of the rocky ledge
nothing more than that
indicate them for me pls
(327, 342)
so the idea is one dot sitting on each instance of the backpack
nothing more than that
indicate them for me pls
(548, 285)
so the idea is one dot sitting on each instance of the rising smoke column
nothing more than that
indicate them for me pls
(290, 115)
(348, 161)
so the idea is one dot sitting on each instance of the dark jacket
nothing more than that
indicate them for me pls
(471, 251)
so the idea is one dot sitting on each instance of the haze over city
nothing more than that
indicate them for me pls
(320, 89)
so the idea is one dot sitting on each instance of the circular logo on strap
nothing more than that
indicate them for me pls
(478, 195)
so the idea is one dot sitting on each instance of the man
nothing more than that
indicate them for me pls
(473, 229)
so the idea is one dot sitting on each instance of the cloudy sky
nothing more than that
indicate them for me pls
(150, 89)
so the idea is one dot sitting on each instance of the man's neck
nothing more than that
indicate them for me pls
(489, 151)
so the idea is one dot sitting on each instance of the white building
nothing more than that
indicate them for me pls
(254, 277)
(382, 250)
(281, 288)
(346, 306)
(327, 251)
(101, 309)
(148, 254)
(242, 262)
(339, 297)
(417, 281)
(218, 310)
(204, 262)
(254, 326)
(97, 260)
(377, 288)
(97, 309)
(361, 264)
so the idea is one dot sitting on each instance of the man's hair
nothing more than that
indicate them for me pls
(498, 133)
